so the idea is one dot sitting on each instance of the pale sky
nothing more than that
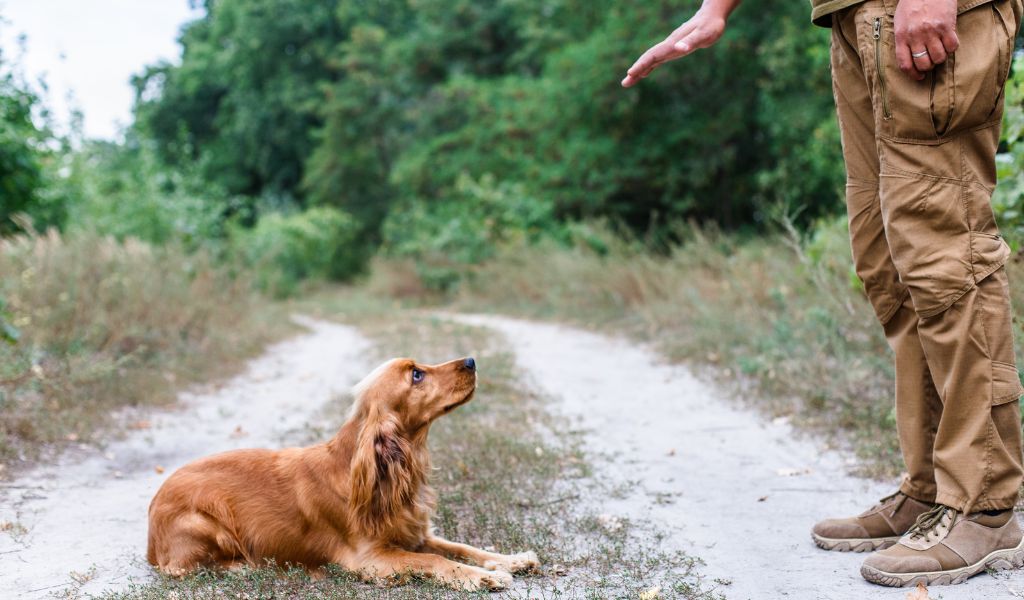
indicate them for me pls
(90, 49)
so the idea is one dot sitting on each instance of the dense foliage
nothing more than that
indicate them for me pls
(385, 109)
(25, 151)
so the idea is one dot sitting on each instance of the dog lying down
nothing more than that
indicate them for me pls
(360, 501)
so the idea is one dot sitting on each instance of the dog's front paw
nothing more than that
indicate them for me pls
(524, 562)
(493, 581)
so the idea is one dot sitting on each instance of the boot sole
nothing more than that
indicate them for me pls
(853, 544)
(1000, 560)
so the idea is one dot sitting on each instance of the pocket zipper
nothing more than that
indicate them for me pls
(879, 67)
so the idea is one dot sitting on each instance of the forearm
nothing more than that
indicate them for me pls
(719, 8)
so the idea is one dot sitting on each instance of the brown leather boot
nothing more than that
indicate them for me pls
(945, 547)
(879, 527)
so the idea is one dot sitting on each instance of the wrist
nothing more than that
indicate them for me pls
(717, 9)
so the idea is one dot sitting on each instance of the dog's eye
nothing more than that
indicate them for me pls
(417, 375)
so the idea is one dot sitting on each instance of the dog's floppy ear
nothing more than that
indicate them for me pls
(383, 473)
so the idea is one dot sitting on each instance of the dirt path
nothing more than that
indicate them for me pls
(727, 486)
(730, 488)
(86, 516)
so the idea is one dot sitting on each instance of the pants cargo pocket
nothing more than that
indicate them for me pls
(994, 305)
(1003, 456)
(988, 253)
(929, 238)
(1006, 385)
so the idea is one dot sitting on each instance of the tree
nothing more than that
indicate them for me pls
(380, 106)
(244, 101)
(24, 149)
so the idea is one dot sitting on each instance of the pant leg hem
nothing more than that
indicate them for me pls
(962, 505)
(921, 494)
(954, 502)
(995, 503)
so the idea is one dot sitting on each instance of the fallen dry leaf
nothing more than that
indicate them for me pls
(558, 570)
(762, 498)
(143, 424)
(671, 452)
(159, 470)
(652, 594)
(919, 593)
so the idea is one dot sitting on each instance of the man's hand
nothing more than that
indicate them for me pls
(701, 31)
(925, 34)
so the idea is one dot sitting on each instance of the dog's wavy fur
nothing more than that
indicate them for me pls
(360, 500)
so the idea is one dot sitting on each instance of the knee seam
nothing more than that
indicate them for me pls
(889, 314)
(976, 278)
(925, 314)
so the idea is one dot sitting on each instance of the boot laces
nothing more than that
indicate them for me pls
(899, 503)
(927, 522)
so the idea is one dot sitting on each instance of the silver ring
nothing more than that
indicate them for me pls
(919, 54)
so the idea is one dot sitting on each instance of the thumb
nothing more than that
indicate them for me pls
(683, 45)
(696, 39)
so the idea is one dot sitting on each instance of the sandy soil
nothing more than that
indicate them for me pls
(86, 515)
(731, 488)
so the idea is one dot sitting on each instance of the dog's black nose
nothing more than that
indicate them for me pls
(469, 364)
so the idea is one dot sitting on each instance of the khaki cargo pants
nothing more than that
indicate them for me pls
(920, 160)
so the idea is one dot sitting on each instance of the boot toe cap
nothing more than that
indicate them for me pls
(881, 561)
(839, 529)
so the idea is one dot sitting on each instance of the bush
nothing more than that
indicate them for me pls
(102, 324)
(283, 250)
(24, 154)
(121, 190)
(469, 227)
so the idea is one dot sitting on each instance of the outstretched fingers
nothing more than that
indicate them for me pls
(698, 32)
(656, 55)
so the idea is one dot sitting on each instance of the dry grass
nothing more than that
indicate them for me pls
(105, 325)
(782, 319)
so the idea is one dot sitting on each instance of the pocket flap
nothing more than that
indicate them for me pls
(1005, 383)
(988, 253)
